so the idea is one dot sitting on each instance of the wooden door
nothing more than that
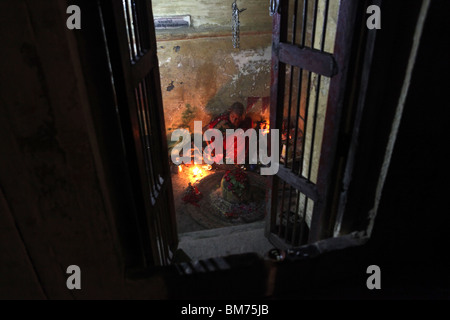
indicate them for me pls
(130, 37)
(311, 48)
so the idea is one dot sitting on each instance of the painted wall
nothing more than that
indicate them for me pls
(201, 73)
(214, 15)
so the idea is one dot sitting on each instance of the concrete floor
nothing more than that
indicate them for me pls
(221, 242)
(200, 243)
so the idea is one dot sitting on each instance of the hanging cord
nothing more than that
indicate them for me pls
(235, 24)
(274, 7)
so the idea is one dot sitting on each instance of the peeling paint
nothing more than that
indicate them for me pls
(252, 63)
(251, 56)
(214, 14)
(170, 87)
(210, 74)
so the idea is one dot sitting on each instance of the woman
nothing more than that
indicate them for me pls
(234, 118)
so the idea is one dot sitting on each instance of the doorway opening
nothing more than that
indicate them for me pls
(286, 70)
(202, 76)
(203, 72)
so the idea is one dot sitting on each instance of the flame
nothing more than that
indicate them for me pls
(197, 172)
(265, 127)
(180, 168)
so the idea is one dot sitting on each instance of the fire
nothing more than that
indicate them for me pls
(197, 172)
(207, 167)
(265, 127)
(193, 173)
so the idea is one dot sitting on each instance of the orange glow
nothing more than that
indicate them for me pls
(265, 127)
(197, 172)
(193, 173)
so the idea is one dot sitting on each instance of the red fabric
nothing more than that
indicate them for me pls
(215, 121)
(247, 123)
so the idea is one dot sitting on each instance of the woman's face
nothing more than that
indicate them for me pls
(235, 119)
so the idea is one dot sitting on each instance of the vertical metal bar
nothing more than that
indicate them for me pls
(148, 146)
(288, 223)
(300, 86)
(314, 125)
(272, 205)
(286, 214)
(304, 22)
(152, 217)
(148, 136)
(281, 208)
(291, 81)
(124, 5)
(156, 125)
(324, 27)
(136, 28)
(141, 136)
(131, 27)
(162, 223)
(165, 224)
(294, 22)
(303, 220)
(294, 230)
(129, 30)
(297, 117)
(313, 32)
(306, 123)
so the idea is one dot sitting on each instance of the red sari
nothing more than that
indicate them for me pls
(247, 123)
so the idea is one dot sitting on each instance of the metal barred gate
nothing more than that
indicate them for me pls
(312, 42)
(130, 36)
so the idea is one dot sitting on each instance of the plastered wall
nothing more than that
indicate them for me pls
(201, 73)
